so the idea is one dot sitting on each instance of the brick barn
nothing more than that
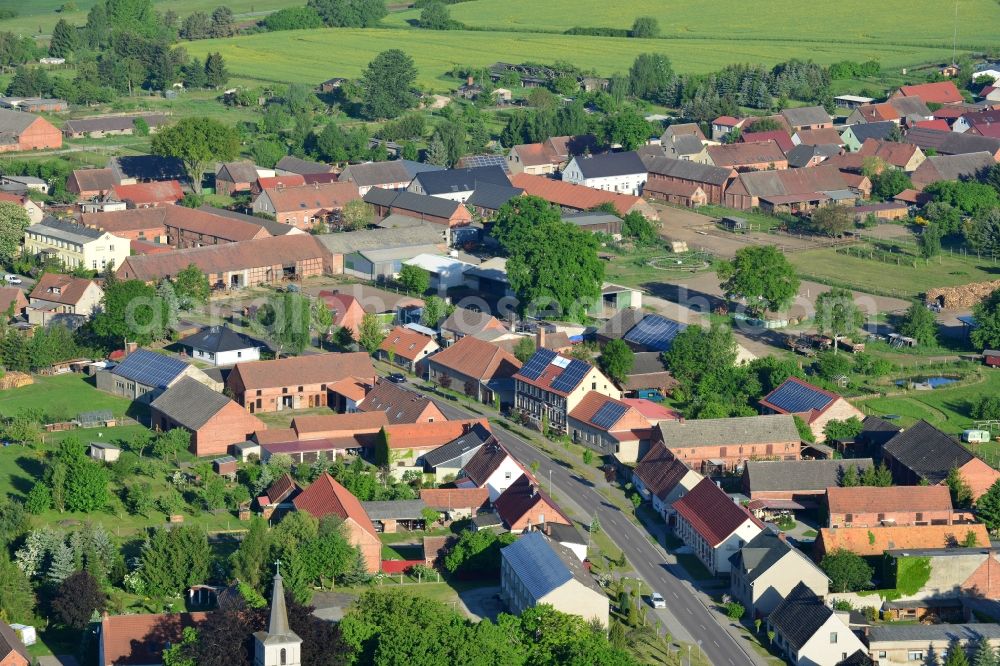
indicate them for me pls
(26, 131)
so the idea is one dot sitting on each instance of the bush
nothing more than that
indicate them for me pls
(987, 408)
(293, 18)
(734, 610)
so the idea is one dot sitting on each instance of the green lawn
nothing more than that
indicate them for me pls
(63, 396)
(904, 281)
(292, 56)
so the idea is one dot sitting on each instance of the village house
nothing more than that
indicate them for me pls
(34, 104)
(609, 427)
(132, 169)
(456, 184)
(90, 183)
(221, 346)
(456, 503)
(642, 331)
(98, 128)
(713, 526)
(677, 181)
(762, 156)
(446, 461)
(871, 541)
(713, 446)
(75, 245)
(34, 210)
(622, 173)
(277, 182)
(800, 189)
(953, 143)
(492, 468)
(814, 405)
(289, 164)
(876, 113)
(445, 271)
(478, 368)
(238, 177)
(572, 197)
(141, 638)
(723, 125)
(979, 123)
(780, 136)
(808, 155)
(524, 507)
(306, 205)
(407, 349)
(295, 382)
(685, 147)
(924, 454)
(464, 323)
(536, 570)
(325, 497)
(346, 310)
(951, 167)
(550, 156)
(408, 443)
(235, 265)
(390, 175)
(767, 569)
(55, 293)
(488, 199)
(942, 92)
(810, 633)
(144, 375)
(20, 130)
(436, 210)
(908, 644)
(149, 195)
(807, 118)
(854, 136)
(817, 137)
(12, 650)
(903, 156)
(550, 386)
(378, 254)
(212, 419)
(775, 483)
(663, 479)
(399, 404)
(12, 301)
(865, 506)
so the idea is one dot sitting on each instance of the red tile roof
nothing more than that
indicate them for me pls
(780, 137)
(739, 154)
(866, 499)
(399, 405)
(535, 154)
(328, 196)
(592, 402)
(313, 369)
(288, 180)
(826, 136)
(406, 343)
(651, 410)
(141, 639)
(70, 289)
(711, 512)
(942, 92)
(938, 124)
(325, 496)
(728, 121)
(9, 295)
(278, 491)
(445, 499)
(571, 195)
(521, 497)
(866, 541)
(660, 471)
(164, 191)
(338, 425)
(891, 152)
(428, 435)
(472, 357)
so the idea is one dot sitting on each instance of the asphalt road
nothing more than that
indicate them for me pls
(719, 646)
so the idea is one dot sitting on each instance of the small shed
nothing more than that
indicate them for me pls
(225, 466)
(388, 516)
(104, 451)
(991, 357)
(101, 418)
(734, 223)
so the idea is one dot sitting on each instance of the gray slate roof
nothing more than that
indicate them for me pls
(191, 403)
(610, 164)
(15, 122)
(927, 452)
(394, 509)
(422, 203)
(798, 475)
(113, 123)
(298, 165)
(957, 167)
(806, 115)
(460, 180)
(543, 565)
(772, 428)
(799, 616)
(951, 143)
(685, 144)
(933, 632)
(377, 173)
(879, 131)
(147, 167)
(459, 447)
(67, 231)
(378, 239)
(217, 339)
(688, 170)
(492, 196)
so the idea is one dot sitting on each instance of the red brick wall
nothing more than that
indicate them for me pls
(230, 425)
(532, 517)
(371, 547)
(38, 135)
(985, 581)
(900, 517)
(734, 455)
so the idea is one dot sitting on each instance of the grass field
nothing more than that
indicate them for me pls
(65, 395)
(926, 22)
(296, 56)
(907, 281)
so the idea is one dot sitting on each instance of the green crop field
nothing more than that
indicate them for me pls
(311, 56)
(845, 23)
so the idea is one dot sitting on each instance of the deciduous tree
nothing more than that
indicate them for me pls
(370, 332)
(920, 324)
(414, 279)
(848, 572)
(387, 85)
(761, 277)
(837, 314)
(13, 221)
(197, 141)
(77, 599)
(617, 360)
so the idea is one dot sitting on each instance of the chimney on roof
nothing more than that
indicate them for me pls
(534, 489)
(540, 337)
(130, 347)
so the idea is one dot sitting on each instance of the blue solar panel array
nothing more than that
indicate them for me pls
(796, 398)
(536, 564)
(150, 368)
(571, 376)
(608, 415)
(536, 364)
(655, 332)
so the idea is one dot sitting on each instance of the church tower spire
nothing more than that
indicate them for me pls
(279, 645)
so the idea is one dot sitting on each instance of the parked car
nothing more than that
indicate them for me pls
(657, 600)
(10, 278)
(397, 378)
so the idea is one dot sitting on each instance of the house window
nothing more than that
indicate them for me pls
(833, 637)
(920, 516)
(849, 518)
(239, 354)
(915, 655)
(283, 656)
(300, 389)
(593, 386)
(506, 476)
(881, 654)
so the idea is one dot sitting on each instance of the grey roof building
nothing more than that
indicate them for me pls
(394, 509)
(453, 181)
(292, 164)
(721, 432)
(455, 454)
(146, 168)
(808, 632)
(608, 165)
(217, 339)
(951, 143)
(807, 116)
(491, 196)
(373, 174)
(878, 131)
(688, 170)
(190, 403)
(761, 477)
(65, 231)
(377, 239)
(767, 568)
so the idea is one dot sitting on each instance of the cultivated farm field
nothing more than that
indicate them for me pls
(311, 56)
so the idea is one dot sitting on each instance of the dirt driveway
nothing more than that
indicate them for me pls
(700, 233)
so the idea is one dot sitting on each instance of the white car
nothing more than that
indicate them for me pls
(10, 278)
(657, 600)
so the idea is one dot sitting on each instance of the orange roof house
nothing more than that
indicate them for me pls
(12, 300)
(868, 541)
(407, 348)
(346, 309)
(477, 368)
(400, 405)
(942, 92)
(905, 156)
(325, 497)
(141, 639)
(578, 197)
(150, 195)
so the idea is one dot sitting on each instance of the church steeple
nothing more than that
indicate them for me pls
(279, 645)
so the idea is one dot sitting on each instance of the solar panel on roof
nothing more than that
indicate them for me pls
(655, 332)
(796, 398)
(536, 364)
(569, 378)
(608, 414)
(150, 368)
(475, 161)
